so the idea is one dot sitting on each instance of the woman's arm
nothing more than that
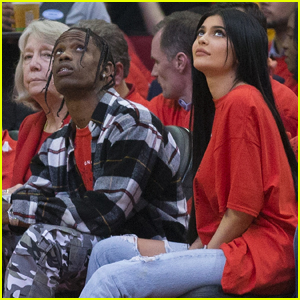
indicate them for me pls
(233, 224)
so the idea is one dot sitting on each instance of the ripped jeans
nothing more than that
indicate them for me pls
(116, 269)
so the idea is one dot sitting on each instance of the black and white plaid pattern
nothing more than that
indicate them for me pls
(136, 189)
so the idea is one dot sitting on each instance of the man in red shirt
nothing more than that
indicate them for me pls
(171, 46)
(125, 64)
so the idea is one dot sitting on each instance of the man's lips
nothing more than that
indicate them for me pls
(64, 70)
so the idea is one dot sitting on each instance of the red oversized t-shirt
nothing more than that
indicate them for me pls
(245, 168)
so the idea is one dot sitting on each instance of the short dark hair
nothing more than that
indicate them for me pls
(114, 37)
(178, 32)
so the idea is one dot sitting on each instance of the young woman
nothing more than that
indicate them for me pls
(245, 200)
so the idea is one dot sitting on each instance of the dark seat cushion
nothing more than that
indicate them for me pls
(216, 291)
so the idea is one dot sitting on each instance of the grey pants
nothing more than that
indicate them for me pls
(48, 259)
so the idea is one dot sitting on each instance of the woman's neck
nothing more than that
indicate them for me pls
(54, 116)
(221, 85)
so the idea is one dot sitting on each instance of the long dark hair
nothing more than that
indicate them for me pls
(105, 58)
(250, 42)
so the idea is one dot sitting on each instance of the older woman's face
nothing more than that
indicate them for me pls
(36, 59)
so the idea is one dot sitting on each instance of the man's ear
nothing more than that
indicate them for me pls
(109, 70)
(181, 61)
(119, 73)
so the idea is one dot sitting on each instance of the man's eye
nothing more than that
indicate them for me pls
(58, 52)
(46, 55)
(80, 48)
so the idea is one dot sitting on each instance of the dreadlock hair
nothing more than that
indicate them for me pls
(105, 57)
(250, 43)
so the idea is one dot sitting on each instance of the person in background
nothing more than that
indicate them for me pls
(36, 44)
(138, 18)
(232, 221)
(277, 14)
(71, 13)
(126, 66)
(290, 47)
(170, 50)
(111, 170)
(7, 13)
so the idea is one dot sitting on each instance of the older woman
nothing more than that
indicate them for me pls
(36, 44)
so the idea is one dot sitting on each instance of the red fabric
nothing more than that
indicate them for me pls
(292, 84)
(8, 158)
(30, 134)
(138, 75)
(137, 78)
(245, 168)
(287, 105)
(169, 111)
(294, 144)
(83, 156)
(142, 47)
(133, 95)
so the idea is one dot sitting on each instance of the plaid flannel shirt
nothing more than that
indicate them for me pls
(134, 163)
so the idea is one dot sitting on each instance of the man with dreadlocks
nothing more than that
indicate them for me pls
(111, 171)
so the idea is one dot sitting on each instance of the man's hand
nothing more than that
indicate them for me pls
(7, 12)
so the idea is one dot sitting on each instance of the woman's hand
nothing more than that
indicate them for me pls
(197, 244)
(233, 225)
(5, 207)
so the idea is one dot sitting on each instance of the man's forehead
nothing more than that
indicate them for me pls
(73, 35)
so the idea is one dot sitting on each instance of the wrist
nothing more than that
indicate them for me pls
(11, 217)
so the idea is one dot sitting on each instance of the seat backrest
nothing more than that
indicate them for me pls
(182, 137)
(14, 134)
(296, 261)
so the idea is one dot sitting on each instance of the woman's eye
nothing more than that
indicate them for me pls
(200, 32)
(219, 33)
(46, 55)
(27, 57)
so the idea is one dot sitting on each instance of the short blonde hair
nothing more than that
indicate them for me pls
(45, 30)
